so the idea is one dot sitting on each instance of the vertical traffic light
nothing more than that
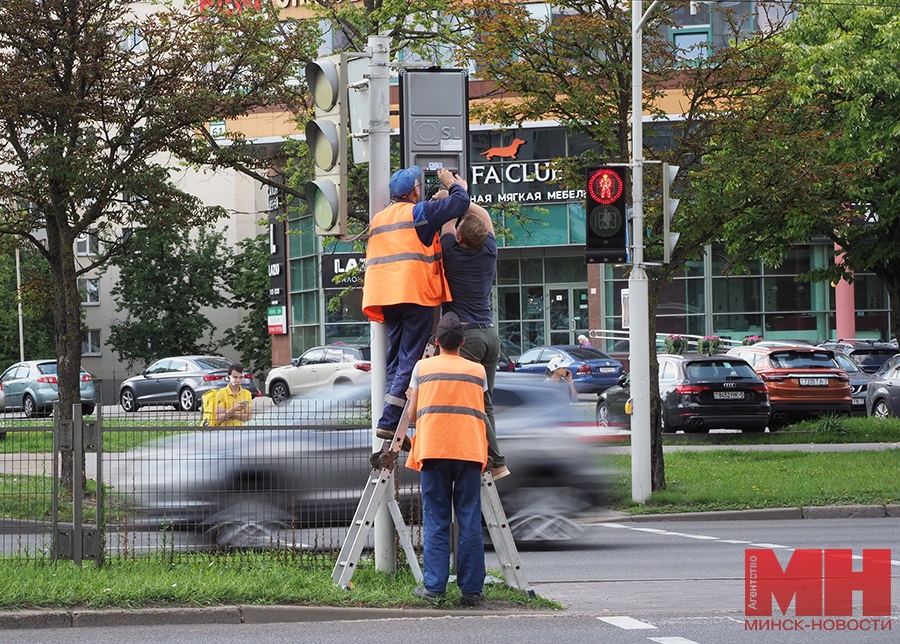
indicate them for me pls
(669, 206)
(326, 134)
(607, 225)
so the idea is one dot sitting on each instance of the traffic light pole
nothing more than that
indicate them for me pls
(379, 197)
(638, 290)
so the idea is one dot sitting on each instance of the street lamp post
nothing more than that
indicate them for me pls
(19, 305)
(638, 291)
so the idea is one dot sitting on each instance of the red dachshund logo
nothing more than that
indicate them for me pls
(506, 151)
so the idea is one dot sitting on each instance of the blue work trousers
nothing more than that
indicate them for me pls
(452, 486)
(408, 329)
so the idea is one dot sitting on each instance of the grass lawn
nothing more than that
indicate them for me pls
(735, 480)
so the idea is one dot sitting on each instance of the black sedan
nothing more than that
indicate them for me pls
(179, 381)
(698, 393)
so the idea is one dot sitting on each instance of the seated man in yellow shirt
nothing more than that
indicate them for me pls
(233, 402)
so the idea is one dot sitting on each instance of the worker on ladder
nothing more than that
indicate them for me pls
(446, 399)
(404, 278)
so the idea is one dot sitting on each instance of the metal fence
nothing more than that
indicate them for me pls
(157, 483)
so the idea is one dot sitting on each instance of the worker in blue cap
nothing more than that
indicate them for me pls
(404, 279)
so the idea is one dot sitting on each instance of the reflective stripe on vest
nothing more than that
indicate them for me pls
(400, 269)
(450, 418)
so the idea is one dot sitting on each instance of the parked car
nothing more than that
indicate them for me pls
(32, 387)
(883, 394)
(335, 365)
(859, 382)
(868, 354)
(697, 393)
(305, 464)
(179, 381)
(505, 363)
(592, 370)
(803, 382)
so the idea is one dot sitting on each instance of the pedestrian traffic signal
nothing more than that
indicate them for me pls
(326, 134)
(606, 240)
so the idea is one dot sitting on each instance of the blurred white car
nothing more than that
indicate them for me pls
(330, 366)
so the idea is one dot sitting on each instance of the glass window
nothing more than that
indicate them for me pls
(313, 356)
(530, 357)
(90, 290)
(565, 269)
(691, 44)
(90, 342)
(550, 226)
(161, 366)
(87, 244)
(508, 303)
(508, 271)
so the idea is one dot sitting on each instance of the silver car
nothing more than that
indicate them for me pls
(305, 463)
(32, 387)
(179, 381)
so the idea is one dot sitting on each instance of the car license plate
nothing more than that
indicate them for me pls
(813, 382)
(606, 369)
(728, 395)
(858, 401)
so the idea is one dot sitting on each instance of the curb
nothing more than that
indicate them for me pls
(237, 614)
(806, 512)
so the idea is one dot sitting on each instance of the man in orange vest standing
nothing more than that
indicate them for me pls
(405, 277)
(446, 397)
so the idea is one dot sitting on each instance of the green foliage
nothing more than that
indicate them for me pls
(818, 152)
(93, 122)
(165, 281)
(37, 316)
(249, 285)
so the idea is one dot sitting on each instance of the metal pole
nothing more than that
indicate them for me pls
(379, 176)
(638, 291)
(19, 304)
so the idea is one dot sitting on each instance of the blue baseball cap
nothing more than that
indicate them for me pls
(403, 181)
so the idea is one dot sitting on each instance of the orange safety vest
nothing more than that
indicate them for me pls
(400, 269)
(450, 418)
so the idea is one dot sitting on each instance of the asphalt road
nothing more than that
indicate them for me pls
(670, 582)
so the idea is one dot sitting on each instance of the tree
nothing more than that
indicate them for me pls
(96, 103)
(575, 67)
(251, 337)
(820, 154)
(37, 318)
(165, 281)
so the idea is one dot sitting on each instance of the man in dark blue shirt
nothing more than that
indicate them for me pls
(469, 251)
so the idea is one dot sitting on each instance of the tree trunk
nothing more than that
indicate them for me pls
(67, 322)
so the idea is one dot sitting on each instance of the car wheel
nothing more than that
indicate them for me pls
(279, 392)
(602, 414)
(187, 399)
(29, 407)
(87, 409)
(127, 401)
(880, 410)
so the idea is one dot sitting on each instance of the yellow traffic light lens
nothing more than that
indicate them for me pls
(322, 77)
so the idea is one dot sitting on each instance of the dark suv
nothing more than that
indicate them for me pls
(698, 393)
(868, 354)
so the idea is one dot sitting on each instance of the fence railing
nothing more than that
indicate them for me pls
(155, 482)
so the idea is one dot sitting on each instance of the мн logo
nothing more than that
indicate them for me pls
(820, 583)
